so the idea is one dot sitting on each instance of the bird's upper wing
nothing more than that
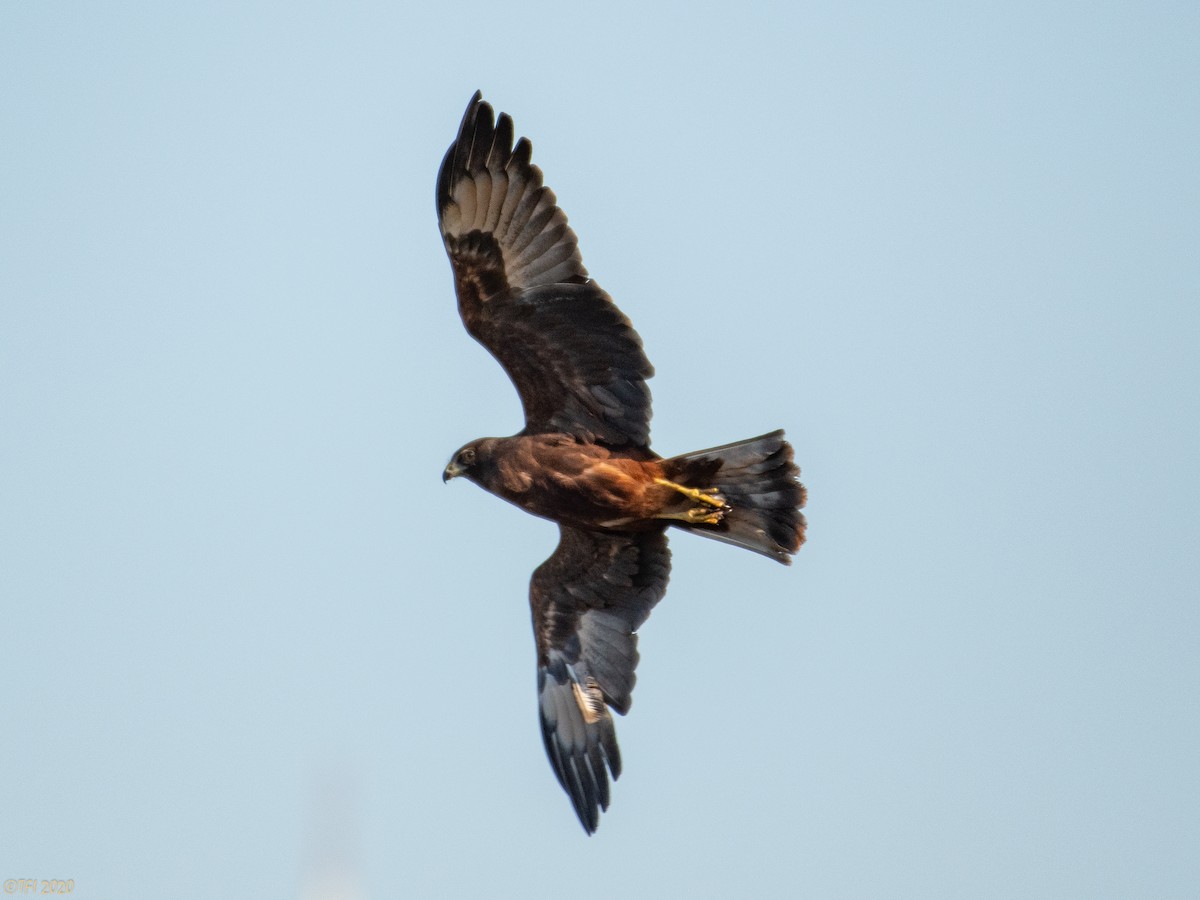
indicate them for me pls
(588, 599)
(523, 292)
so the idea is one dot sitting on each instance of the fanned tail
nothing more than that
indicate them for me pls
(758, 480)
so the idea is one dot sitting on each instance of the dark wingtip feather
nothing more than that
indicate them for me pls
(502, 141)
(457, 153)
(522, 156)
(581, 754)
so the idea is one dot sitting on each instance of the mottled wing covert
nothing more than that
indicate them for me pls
(523, 292)
(588, 600)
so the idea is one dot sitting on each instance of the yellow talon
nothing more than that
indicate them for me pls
(710, 497)
(699, 515)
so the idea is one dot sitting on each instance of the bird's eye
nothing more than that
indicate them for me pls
(467, 457)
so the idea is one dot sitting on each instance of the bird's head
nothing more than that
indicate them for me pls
(471, 460)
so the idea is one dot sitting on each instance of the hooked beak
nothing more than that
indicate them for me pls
(451, 471)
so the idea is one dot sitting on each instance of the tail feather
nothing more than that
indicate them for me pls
(758, 480)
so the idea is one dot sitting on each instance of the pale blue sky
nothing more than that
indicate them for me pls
(951, 248)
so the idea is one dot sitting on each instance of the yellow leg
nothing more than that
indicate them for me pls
(706, 515)
(709, 497)
(697, 515)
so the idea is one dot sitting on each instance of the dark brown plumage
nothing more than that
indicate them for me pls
(583, 459)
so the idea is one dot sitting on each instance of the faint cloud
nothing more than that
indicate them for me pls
(330, 865)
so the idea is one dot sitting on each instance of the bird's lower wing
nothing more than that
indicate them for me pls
(588, 600)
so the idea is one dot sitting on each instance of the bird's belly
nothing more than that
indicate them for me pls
(602, 496)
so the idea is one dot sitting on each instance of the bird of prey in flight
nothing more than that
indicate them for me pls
(583, 459)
